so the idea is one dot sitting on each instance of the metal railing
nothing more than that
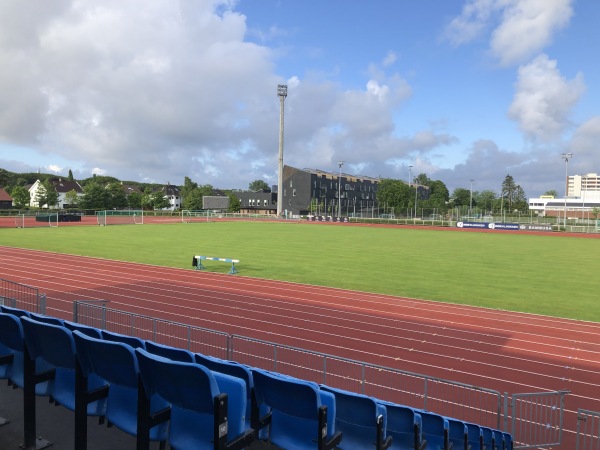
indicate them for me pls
(535, 420)
(588, 430)
(17, 295)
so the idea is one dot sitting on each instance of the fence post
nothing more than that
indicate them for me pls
(75, 311)
(425, 386)
(42, 303)
(363, 382)
(275, 358)
(324, 369)
(505, 414)
(189, 338)
(154, 332)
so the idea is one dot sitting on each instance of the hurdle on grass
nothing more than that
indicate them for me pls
(197, 262)
(120, 217)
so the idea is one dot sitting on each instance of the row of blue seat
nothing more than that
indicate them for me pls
(141, 386)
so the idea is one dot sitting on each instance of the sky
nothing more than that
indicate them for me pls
(465, 91)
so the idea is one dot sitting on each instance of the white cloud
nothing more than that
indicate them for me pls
(54, 168)
(544, 98)
(584, 146)
(521, 28)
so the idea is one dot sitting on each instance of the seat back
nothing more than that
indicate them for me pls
(356, 417)
(13, 341)
(294, 405)
(475, 436)
(46, 319)
(435, 429)
(488, 438)
(52, 342)
(14, 311)
(117, 363)
(172, 353)
(88, 331)
(508, 441)
(457, 433)
(404, 425)
(131, 341)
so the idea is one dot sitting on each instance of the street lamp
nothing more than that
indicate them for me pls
(282, 94)
(566, 157)
(409, 167)
(471, 200)
(340, 164)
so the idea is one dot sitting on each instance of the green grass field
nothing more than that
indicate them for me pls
(549, 275)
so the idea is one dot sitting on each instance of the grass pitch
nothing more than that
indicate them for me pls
(549, 275)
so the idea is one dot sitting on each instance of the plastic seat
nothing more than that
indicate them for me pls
(301, 416)
(116, 363)
(46, 319)
(88, 331)
(361, 420)
(172, 353)
(14, 311)
(507, 442)
(234, 369)
(435, 430)
(200, 411)
(488, 438)
(475, 436)
(132, 341)
(458, 434)
(404, 426)
(55, 344)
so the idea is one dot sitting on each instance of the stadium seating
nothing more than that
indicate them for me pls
(173, 353)
(475, 436)
(132, 341)
(300, 415)
(361, 420)
(201, 415)
(435, 430)
(458, 434)
(117, 363)
(404, 426)
(145, 389)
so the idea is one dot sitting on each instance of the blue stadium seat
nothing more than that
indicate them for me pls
(475, 436)
(11, 351)
(507, 442)
(46, 319)
(172, 353)
(234, 369)
(361, 420)
(14, 311)
(133, 342)
(55, 344)
(458, 434)
(117, 363)
(202, 416)
(488, 438)
(301, 416)
(88, 331)
(404, 426)
(435, 430)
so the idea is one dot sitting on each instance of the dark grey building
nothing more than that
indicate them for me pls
(259, 202)
(307, 191)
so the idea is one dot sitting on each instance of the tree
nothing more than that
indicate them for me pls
(159, 201)
(258, 185)
(46, 195)
(513, 195)
(72, 199)
(70, 175)
(95, 197)
(234, 203)
(395, 194)
(438, 195)
(134, 200)
(20, 196)
(462, 197)
(193, 201)
(422, 179)
(116, 195)
(485, 199)
(147, 199)
(188, 187)
(551, 192)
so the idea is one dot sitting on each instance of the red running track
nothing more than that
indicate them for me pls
(500, 350)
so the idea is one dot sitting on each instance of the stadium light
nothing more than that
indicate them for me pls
(340, 164)
(282, 94)
(566, 157)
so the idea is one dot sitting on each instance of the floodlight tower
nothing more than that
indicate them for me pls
(409, 183)
(566, 157)
(282, 94)
(340, 164)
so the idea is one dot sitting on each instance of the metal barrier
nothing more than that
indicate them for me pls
(537, 419)
(17, 295)
(588, 430)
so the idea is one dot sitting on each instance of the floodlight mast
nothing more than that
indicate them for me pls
(566, 157)
(282, 94)
(340, 164)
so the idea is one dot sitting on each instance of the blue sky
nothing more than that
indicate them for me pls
(156, 91)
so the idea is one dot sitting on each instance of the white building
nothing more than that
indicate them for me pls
(61, 186)
(587, 185)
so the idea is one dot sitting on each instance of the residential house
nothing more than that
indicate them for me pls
(173, 194)
(6, 200)
(61, 186)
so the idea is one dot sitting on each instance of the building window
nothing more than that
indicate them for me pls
(290, 183)
(265, 203)
(294, 192)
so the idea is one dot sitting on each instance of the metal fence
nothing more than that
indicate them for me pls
(21, 296)
(588, 430)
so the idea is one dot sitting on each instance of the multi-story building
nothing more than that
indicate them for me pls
(257, 202)
(171, 193)
(587, 185)
(307, 191)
